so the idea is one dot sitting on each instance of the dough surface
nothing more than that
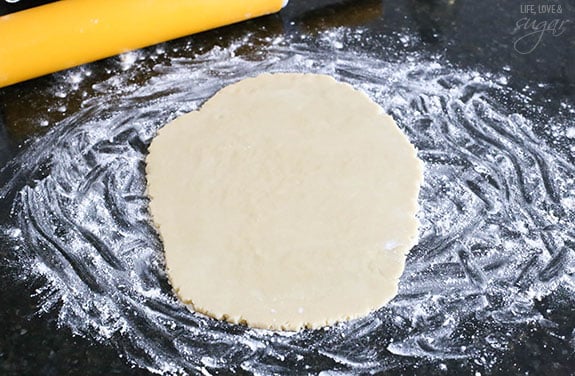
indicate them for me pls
(286, 201)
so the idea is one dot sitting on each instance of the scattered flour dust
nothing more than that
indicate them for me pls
(496, 210)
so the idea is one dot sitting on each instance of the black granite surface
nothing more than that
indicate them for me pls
(468, 33)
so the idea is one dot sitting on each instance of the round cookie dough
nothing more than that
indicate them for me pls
(287, 201)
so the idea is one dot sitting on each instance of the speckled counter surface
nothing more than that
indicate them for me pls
(485, 36)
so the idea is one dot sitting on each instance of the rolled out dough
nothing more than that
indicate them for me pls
(287, 201)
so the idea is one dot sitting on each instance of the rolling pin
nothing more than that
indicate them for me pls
(66, 33)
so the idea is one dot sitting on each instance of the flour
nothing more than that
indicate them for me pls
(497, 211)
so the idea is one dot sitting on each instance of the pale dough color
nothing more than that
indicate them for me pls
(287, 201)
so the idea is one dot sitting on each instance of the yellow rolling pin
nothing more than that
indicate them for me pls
(66, 33)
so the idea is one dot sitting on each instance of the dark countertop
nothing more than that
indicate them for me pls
(467, 33)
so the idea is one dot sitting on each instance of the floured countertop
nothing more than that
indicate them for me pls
(489, 290)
